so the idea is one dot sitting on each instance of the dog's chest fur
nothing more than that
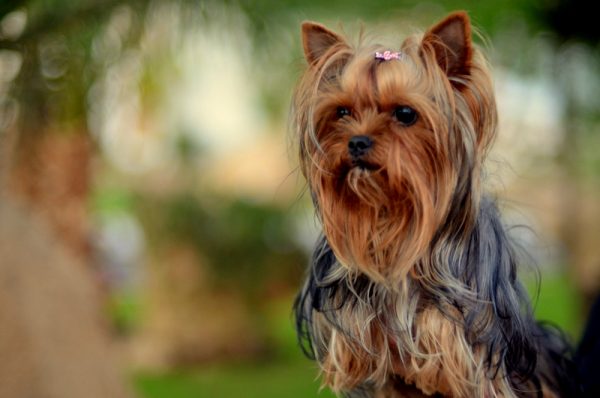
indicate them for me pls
(390, 342)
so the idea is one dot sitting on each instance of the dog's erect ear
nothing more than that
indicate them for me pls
(451, 42)
(316, 40)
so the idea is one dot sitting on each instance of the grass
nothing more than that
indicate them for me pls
(559, 303)
(290, 375)
(270, 380)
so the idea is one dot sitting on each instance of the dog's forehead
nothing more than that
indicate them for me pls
(369, 75)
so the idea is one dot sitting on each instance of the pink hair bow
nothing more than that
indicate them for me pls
(388, 55)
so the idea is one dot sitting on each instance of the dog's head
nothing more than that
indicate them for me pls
(391, 142)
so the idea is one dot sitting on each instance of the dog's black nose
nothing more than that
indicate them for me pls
(359, 145)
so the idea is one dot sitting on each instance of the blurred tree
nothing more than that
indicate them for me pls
(52, 305)
(52, 327)
(49, 154)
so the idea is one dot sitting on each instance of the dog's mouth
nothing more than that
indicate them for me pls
(355, 171)
(364, 166)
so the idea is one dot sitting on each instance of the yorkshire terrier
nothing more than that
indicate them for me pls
(413, 287)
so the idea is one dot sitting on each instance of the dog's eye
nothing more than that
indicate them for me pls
(342, 111)
(405, 115)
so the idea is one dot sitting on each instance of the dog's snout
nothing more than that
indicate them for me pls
(359, 145)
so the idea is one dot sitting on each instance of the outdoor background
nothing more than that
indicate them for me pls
(153, 227)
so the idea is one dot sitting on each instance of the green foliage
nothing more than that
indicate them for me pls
(246, 243)
(487, 15)
(124, 311)
(107, 201)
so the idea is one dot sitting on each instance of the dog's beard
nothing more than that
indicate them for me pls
(380, 220)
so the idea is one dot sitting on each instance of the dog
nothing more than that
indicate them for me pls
(413, 287)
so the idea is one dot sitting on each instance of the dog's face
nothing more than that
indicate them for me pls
(388, 145)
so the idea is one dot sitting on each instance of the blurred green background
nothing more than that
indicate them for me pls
(145, 161)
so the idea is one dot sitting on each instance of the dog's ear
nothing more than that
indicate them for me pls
(450, 39)
(317, 39)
